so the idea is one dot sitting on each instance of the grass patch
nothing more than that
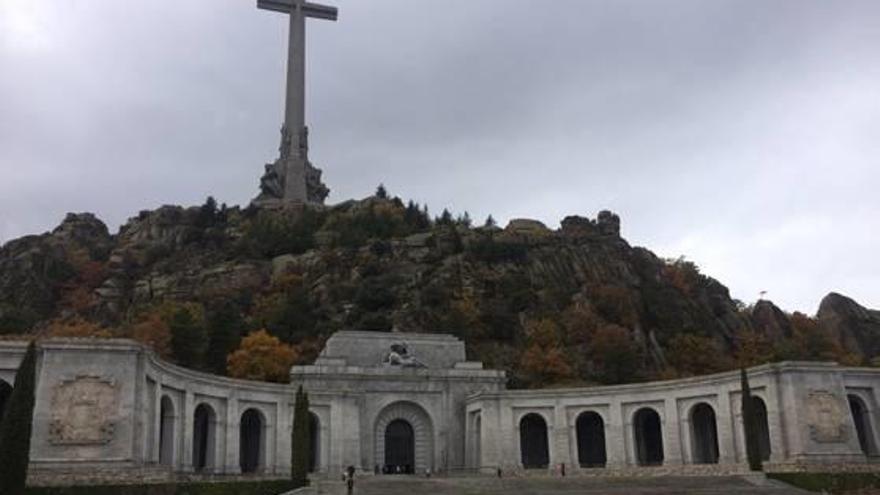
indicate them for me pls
(269, 487)
(830, 482)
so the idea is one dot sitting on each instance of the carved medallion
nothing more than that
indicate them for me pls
(825, 417)
(84, 411)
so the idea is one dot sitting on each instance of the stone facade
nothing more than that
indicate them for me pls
(393, 402)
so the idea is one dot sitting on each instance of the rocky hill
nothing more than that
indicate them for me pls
(572, 305)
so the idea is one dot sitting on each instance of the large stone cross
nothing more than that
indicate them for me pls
(294, 133)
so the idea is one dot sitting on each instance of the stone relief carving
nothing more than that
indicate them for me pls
(825, 417)
(399, 355)
(84, 411)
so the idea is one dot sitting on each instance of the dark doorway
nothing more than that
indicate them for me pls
(314, 442)
(763, 427)
(648, 437)
(166, 432)
(204, 423)
(704, 434)
(5, 393)
(250, 446)
(590, 440)
(400, 448)
(862, 419)
(533, 442)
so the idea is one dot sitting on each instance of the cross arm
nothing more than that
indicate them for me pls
(314, 10)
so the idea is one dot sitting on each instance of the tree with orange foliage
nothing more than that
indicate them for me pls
(261, 357)
(693, 355)
(544, 361)
(812, 343)
(752, 349)
(153, 332)
(77, 327)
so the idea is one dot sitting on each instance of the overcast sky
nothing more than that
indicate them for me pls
(742, 134)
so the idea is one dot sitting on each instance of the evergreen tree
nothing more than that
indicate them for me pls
(208, 213)
(750, 424)
(15, 431)
(301, 438)
(188, 339)
(490, 223)
(225, 328)
(445, 218)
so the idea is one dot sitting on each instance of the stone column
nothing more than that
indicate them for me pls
(615, 436)
(231, 434)
(775, 422)
(157, 423)
(561, 452)
(726, 424)
(188, 410)
(671, 433)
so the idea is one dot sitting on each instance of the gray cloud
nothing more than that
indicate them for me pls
(741, 134)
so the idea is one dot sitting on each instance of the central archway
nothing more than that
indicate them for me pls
(648, 437)
(704, 434)
(402, 427)
(400, 447)
(533, 442)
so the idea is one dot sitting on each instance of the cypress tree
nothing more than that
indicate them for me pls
(301, 438)
(226, 326)
(750, 425)
(15, 431)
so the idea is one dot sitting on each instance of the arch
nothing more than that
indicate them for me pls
(862, 419)
(166, 431)
(648, 436)
(251, 441)
(533, 442)
(314, 442)
(704, 434)
(400, 447)
(763, 424)
(204, 433)
(5, 394)
(590, 431)
(423, 434)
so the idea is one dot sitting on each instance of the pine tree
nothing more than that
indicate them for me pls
(490, 223)
(301, 438)
(750, 424)
(226, 326)
(188, 339)
(381, 192)
(15, 431)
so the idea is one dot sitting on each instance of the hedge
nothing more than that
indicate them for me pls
(829, 482)
(270, 487)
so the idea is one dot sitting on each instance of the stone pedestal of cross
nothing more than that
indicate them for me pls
(292, 179)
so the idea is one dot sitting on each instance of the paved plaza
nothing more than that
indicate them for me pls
(667, 485)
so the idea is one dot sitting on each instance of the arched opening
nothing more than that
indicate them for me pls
(388, 456)
(5, 393)
(590, 429)
(533, 443)
(704, 434)
(763, 427)
(250, 446)
(166, 431)
(862, 420)
(648, 437)
(250, 441)
(400, 448)
(204, 432)
(314, 442)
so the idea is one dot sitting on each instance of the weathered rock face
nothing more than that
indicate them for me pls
(33, 269)
(855, 326)
(770, 321)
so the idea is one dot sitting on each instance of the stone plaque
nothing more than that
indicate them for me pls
(826, 420)
(84, 411)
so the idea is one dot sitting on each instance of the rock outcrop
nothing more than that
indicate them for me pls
(770, 321)
(855, 326)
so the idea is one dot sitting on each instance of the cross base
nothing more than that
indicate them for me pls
(291, 181)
